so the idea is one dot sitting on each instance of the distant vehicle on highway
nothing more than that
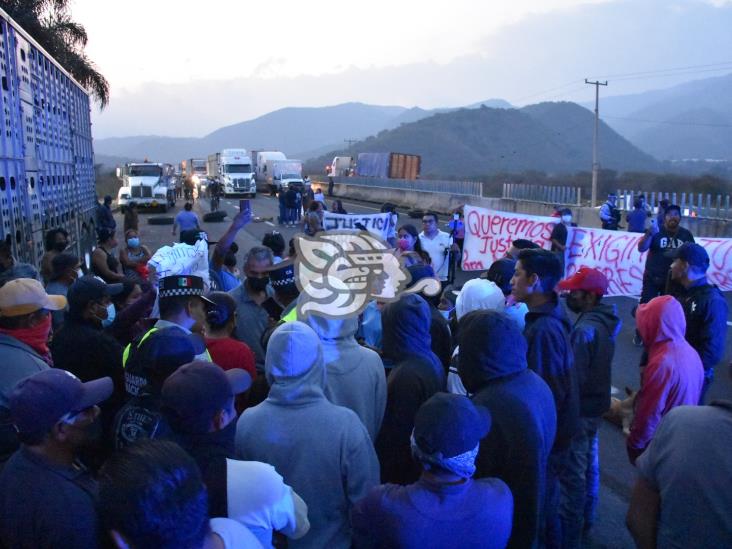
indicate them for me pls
(232, 168)
(283, 173)
(389, 165)
(144, 184)
(341, 166)
(261, 166)
(196, 169)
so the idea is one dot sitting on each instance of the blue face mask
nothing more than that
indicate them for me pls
(133, 242)
(111, 314)
(446, 314)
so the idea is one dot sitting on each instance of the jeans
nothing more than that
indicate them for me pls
(580, 483)
(552, 498)
(283, 214)
(291, 215)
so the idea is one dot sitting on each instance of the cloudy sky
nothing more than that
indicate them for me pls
(186, 68)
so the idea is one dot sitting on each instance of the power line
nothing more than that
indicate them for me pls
(727, 64)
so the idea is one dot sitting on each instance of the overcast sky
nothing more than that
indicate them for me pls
(187, 67)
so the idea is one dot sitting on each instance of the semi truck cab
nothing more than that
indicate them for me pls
(144, 185)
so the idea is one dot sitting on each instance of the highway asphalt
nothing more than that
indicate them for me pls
(617, 475)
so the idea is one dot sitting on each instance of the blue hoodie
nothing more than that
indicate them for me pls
(322, 450)
(416, 376)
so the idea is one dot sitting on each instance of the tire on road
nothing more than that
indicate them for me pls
(160, 220)
(214, 217)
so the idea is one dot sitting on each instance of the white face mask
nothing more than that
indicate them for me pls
(566, 218)
(446, 314)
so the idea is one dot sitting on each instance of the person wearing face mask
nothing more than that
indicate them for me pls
(134, 256)
(134, 305)
(409, 246)
(251, 318)
(593, 342)
(25, 325)
(104, 264)
(82, 346)
(56, 241)
(559, 235)
(65, 269)
(10, 268)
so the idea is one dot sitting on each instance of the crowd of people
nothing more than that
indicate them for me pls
(146, 411)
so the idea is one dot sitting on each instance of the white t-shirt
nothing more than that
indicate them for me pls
(259, 498)
(436, 248)
(233, 534)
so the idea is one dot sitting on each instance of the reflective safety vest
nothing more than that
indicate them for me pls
(126, 354)
(291, 316)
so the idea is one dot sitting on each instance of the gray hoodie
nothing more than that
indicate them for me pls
(322, 450)
(356, 378)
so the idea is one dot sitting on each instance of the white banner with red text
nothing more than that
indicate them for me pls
(489, 233)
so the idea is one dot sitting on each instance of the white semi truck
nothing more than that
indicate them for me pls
(283, 173)
(144, 184)
(232, 169)
(263, 164)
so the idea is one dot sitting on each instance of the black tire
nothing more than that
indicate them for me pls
(214, 217)
(160, 220)
(122, 210)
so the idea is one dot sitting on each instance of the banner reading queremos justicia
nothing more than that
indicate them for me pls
(489, 233)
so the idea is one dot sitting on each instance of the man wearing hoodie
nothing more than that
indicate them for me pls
(523, 414)
(673, 375)
(593, 341)
(356, 377)
(417, 375)
(547, 330)
(476, 295)
(322, 450)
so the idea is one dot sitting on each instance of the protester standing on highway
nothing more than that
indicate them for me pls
(105, 218)
(704, 306)
(355, 375)
(677, 500)
(275, 242)
(186, 220)
(281, 305)
(637, 218)
(657, 241)
(523, 415)
(336, 464)
(609, 213)
(520, 244)
(550, 355)
(25, 326)
(291, 206)
(445, 507)
(673, 376)
(593, 342)
(337, 207)
(56, 241)
(559, 235)
(226, 352)
(313, 222)
(251, 318)
(437, 243)
(224, 251)
(318, 197)
(501, 272)
(133, 307)
(408, 241)
(47, 498)
(131, 220)
(104, 263)
(65, 269)
(11, 269)
(152, 495)
(416, 375)
(134, 256)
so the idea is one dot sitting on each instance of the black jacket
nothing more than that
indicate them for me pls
(705, 310)
(492, 366)
(550, 355)
(593, 342)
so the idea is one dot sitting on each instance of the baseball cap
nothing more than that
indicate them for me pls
(588, 279)
(450, 424)
(182, 285)
(90, 288)
(200, 387)
(23, 296)
(39, 401)
(693, 254)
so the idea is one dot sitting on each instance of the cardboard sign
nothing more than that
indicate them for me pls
(376, 224)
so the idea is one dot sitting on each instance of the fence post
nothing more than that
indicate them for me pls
(726, 207)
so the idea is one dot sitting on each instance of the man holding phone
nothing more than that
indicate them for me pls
(657, 241)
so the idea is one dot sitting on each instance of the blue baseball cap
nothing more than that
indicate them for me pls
(694, 254)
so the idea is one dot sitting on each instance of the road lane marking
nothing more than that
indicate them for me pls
(269, 223)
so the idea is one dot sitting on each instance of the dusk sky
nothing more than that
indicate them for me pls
(185, 68)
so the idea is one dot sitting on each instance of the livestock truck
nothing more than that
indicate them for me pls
(46, 155)
(232, 169)
(388, 165)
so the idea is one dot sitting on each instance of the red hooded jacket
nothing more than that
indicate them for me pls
(674, 374)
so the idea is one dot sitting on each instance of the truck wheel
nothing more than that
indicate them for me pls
(214, 217)
(164, 208)
(160, 220)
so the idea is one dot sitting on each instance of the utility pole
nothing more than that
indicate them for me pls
(595, 165)
(351, 142)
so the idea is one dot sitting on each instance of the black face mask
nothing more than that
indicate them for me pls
(257, 284)
(59, 246)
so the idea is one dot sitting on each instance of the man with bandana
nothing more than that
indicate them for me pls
(446, 507)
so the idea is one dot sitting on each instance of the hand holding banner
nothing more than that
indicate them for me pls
(376, 224)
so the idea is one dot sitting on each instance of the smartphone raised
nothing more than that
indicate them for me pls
(245, 204)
